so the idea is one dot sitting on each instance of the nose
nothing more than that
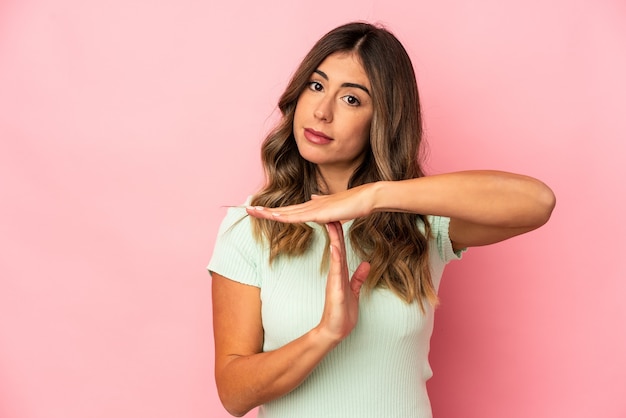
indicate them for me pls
(324, 110)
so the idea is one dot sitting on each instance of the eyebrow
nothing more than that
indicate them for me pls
(355, 85)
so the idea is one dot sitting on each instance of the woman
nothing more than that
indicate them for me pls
(295, 332)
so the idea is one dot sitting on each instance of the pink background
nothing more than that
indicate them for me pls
(126, 125)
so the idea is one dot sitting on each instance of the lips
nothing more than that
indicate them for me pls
(316, 137)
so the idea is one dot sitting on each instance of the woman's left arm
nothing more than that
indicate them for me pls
(484, 207)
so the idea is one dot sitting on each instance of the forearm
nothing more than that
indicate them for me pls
(482, 197)
(245, 382)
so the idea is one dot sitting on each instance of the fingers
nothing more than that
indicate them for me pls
(261, 212)
(341, 305)
(291, 214)
(302, 212)
(338, 272)
(335, 233)
(359, 277)
(338, 259)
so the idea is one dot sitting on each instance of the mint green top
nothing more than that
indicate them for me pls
(380, 369)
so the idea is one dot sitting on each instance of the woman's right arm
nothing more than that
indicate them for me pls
(246, 376)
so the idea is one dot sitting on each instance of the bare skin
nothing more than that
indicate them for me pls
(484, 207)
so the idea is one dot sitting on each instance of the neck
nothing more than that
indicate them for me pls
(333, 181)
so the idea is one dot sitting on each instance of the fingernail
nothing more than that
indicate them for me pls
(250, 207)
(275, 214)
(258, 207)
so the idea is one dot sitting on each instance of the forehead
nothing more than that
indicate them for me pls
(342, 67)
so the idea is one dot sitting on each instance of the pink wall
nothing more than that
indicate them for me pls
(126, 125)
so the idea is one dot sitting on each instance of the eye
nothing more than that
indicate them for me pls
(315, 86)
(351, 100)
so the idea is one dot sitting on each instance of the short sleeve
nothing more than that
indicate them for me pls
(236, 253)
(439, 226)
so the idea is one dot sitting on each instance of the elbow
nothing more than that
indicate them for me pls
(232, 407)
(232, 403)
(546, 201)
(236, 413)
(234, 410)
(237, 393)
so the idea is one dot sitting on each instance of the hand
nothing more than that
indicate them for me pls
(341, 308)
(349, 204)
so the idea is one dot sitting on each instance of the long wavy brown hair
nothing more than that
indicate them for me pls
(391, 242)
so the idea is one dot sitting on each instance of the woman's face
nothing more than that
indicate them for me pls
(333, 115)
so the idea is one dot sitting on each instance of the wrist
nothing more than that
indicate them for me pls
(323, 338)
(379, 193)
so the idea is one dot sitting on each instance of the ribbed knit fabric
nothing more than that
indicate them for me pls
(380, 370)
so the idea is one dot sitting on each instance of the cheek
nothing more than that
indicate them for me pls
(300, 107)
(361, 136)
(364, 130)
(296, 113)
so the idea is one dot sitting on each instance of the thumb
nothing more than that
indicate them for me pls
(359, 276)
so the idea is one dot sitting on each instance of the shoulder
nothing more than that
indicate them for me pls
(237, 255)
(234, 216)
(237, 220)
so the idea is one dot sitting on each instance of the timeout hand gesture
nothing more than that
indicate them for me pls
(342, 206)
(341, 307)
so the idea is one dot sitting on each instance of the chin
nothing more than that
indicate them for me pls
(313, 159)
(313, 156)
